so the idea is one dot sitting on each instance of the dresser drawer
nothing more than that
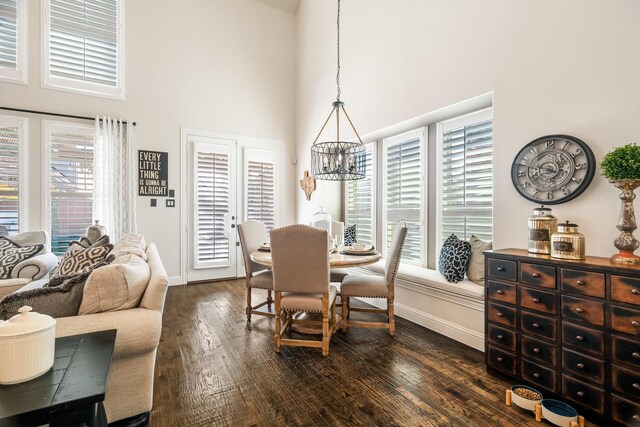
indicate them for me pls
(583, 367)
(625, 381)
(502, 314)
(539, 275)
(501, 292)
(625, 289)
(625, 350)
(624, 411)
(583, 310)
(539, 375)
(587, 395)
(625, 320)
(585, 339)
(539, 325)
(502, 269)
(540, 351)
(501, 360)
(502, 336)
(582, 282)
(538, 300)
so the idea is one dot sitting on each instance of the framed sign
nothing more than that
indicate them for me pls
(153, 173)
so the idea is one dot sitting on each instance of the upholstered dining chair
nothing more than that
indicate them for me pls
(337, 274)
(368, 286)
(252, 235)
(300, 263)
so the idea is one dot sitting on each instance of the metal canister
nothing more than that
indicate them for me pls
(541, 226)
(567, 243)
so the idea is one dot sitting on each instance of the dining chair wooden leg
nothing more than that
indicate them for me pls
(345, 312)
(248, 309)
(269, 299)
(325, 325)
(392, 317)
(278, 324)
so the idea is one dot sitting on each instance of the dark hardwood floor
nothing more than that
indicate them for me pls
(213, 368)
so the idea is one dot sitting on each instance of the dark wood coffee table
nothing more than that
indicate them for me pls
(71, 393)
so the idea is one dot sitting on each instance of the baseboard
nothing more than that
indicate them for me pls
(449, 329)
(175, 280)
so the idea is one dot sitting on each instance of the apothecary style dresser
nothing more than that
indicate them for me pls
(568, 328)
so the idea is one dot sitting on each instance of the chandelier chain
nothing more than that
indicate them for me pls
(338, 50)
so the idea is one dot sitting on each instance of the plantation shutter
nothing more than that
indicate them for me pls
(212, 208)
(404, 160)
(260, 191)
(9, 168)
(360, 201)
(83, 40)
(9, 34)
(71, 175)
(467, 181)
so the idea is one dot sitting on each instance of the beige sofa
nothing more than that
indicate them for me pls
(130, 389)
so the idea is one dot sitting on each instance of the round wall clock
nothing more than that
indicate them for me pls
(553, 169)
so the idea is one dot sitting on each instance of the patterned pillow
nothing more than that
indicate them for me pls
(85, 242)
(12, 254)
(78, 259)
(350, 235)
(454, 257)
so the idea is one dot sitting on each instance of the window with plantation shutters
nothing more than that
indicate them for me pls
(212, 193)
(360, 200)
(12, 40)
(260, 188)
(404, 190)
(83, 46)
(466, 175)
(12, 204)
(70, 170)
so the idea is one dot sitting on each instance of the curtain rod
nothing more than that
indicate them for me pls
(46, 113)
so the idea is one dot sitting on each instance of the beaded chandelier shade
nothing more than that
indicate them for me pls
(338, 160)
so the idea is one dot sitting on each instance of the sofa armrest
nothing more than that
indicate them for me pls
(35, 267)
(138, 329)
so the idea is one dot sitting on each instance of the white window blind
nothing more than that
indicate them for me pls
(84, 44)
(71, 184)
(467, 178)
(360, 203)
(212, 207)
(404, 177)
(12, 34)
(260, 191)
(9, 178)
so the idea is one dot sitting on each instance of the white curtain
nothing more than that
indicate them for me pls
(114, 201)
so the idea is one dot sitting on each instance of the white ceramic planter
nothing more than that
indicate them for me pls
(27, 346)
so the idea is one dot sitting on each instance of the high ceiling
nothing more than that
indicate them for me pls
(289, 6)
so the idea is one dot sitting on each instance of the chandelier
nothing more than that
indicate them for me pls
(338, 160)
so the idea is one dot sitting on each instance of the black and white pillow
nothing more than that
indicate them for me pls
(85, 242)
(454, 258)
(350, 235)
(78, 259)
(12, 254)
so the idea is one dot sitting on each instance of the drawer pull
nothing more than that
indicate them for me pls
(580, 394)
(636, 417)
(635, 355)
(500, 292)
(536, 375)
(536, 300)
(635, 323)
(536, 325)
(580, 283)
(499, 314)
(500, 337)
(579, 337)
(536, 275)
(536, 350)
(580, 365)
(501, 269)
(635, 291)
(579, 310)
(636, 386)
(499, 359)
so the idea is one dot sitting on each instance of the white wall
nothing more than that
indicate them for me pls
(553, 66)
(218, 65)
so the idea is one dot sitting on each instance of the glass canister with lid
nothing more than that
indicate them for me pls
(567, 242)
(542, 225)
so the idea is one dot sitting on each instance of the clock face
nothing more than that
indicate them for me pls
(553, 169)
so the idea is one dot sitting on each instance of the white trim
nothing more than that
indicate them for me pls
(19, 75)
(77, 86)
(176, 281)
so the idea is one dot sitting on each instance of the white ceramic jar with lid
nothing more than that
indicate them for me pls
(27, 346)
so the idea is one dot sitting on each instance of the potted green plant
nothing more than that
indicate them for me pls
(621, 166)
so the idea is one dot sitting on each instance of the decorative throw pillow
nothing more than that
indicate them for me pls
(475, 269)
(454, 257)
(350, 235)
(78, 259)
(11, 254)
